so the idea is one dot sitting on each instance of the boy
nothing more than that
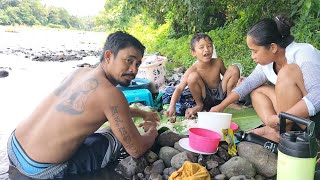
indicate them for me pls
(203, 78)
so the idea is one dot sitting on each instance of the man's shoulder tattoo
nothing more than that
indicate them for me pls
(74, 100)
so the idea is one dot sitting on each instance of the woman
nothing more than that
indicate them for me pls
(286, 79)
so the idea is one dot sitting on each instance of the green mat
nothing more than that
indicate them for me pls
(246, 118)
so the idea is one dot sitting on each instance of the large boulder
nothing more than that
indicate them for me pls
(264, 160)
(237, 166)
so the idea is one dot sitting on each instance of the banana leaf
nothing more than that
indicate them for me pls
(246, 118)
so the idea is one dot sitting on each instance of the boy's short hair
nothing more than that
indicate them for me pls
(197, 37)
(120, 40)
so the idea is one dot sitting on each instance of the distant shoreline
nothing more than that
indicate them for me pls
(47, 44)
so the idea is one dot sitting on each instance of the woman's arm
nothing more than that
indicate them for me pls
(311, 77)
(254, 80)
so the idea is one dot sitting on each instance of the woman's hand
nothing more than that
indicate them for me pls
(274, 121)
(217, 108)
(240, 80)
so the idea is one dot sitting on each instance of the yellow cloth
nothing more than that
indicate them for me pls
(190, 171)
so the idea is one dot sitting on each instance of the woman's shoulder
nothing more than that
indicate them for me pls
(296, 47)
(297, 52)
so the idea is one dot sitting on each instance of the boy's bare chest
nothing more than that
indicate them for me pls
(211, 77)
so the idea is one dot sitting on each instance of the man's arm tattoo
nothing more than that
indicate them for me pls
(124, 133)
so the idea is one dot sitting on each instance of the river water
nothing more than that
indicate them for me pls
(30, 81)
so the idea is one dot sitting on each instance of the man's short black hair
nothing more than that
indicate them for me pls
(120, 40)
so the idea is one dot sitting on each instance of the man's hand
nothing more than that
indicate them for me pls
(217, 108)
(151, 116)
(148, 126)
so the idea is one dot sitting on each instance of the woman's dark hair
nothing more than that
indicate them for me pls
(269, 31)
(197, 37)
(120, 40)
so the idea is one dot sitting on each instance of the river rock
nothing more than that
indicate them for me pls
(211, 164)
(157, 167)
(214, 172)
(237, 166)
(241, 177)
(220, 177)
(155, 176)
(264, 160)
(131, 166)
(151, 156)
(178, 147)
(216, 158)
(168, 138)
(178, 160)
(169, 171)
(4, 73)
(223, 153)
(166, 153)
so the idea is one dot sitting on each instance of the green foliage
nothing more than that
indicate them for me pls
(186, 16)
(56, 26)
(115, 16)
(306, 8)
(59, 16)
(308, 31)
(32, 12)
(171, 24)
(4, 18)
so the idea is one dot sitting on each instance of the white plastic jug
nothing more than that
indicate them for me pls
(214, 121)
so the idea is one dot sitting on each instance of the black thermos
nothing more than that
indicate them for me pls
(254, 138)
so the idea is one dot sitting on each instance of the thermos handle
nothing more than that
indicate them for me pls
(283, 116)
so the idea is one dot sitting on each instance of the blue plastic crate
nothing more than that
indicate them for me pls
(137, 83)
(143, 96)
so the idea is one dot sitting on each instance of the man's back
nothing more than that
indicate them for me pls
(63, 119)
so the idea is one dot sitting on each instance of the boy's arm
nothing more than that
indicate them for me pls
(222, 67)
(177, 92)
(179, 89)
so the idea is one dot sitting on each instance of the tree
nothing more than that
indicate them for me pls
(4, 18)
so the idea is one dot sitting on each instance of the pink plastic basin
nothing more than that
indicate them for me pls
(234, 126)
(204, 140)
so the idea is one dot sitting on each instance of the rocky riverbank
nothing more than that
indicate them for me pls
(167, 156)
(49, 45)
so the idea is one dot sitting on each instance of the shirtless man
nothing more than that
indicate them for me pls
(60, 138)
(203, 78)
